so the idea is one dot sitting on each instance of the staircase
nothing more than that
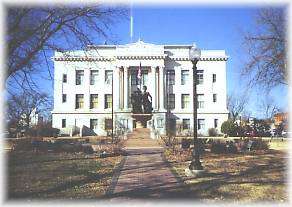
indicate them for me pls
(140, 138)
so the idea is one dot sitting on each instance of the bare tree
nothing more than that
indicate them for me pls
(236, 105)
(32, 32)
(268, 107)
(266, 65)
(20, 107)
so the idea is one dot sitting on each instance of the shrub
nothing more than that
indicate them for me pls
(222, 148)
(230, 147)
(185, 143)
(229, 128)
(259, 144)
(87, 149)
(23, 145)
(212, 132)
(240, 145)
(218, 147)
(42, 131)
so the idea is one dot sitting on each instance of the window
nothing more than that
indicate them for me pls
(200, 101)
(186, 123)
(79, 101)
(79, 77)
(108, 76)
(93, 123)
(108, 124)
(64, 98)
(134, 80)
(214, 78)
(93, 101)
(184, 76)
(144, 77)
(171, 77)
(201, 124)
(214, 98)
(171, 101)
(64, 78)
(93, 77)
(200, 77)
(215, 123)
(185, 101)
(107, 101)
(159, 123)
(63, 123)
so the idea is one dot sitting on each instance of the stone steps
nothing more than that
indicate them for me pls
(140, 138)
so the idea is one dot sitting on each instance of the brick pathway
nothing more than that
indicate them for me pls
(145, 174)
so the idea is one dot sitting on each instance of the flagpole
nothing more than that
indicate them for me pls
(140, 75)
(131, 22)
(141, 80)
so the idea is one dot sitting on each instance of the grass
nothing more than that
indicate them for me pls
(58, 175)
(279, 144)
(251, 177)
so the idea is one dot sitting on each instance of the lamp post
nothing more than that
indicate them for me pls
(194, 55)
(113, 106)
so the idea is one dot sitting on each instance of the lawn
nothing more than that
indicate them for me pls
(249, 177)
(58, 175)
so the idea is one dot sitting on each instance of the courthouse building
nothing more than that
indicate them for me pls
(83, 88)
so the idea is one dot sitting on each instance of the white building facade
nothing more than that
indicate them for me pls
(83, 88)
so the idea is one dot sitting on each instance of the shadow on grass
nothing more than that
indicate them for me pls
(259, 175)
(90, 177)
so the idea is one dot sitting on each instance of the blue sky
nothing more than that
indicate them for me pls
(210, 27)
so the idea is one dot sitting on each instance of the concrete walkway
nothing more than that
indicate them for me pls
(144, 173)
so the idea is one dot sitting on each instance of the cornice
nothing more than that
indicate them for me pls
(201, 59)
(149, 57)
(79, 59)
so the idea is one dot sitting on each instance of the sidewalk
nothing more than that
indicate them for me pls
(145, 174)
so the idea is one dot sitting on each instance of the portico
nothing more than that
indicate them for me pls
(152, 77)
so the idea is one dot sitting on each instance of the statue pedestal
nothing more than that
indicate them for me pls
(141, 119)
(139, 125)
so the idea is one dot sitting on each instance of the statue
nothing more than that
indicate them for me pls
(136, 100)
(147, 104)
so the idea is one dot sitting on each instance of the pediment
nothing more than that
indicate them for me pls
(140, 48)
(139, 44)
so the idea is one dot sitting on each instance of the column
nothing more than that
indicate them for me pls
(153, 87)
(126, 88)
(161, 89)
(116, 87)
(156, 88)
(102, 92)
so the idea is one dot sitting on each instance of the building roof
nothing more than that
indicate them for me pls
(137, 50)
